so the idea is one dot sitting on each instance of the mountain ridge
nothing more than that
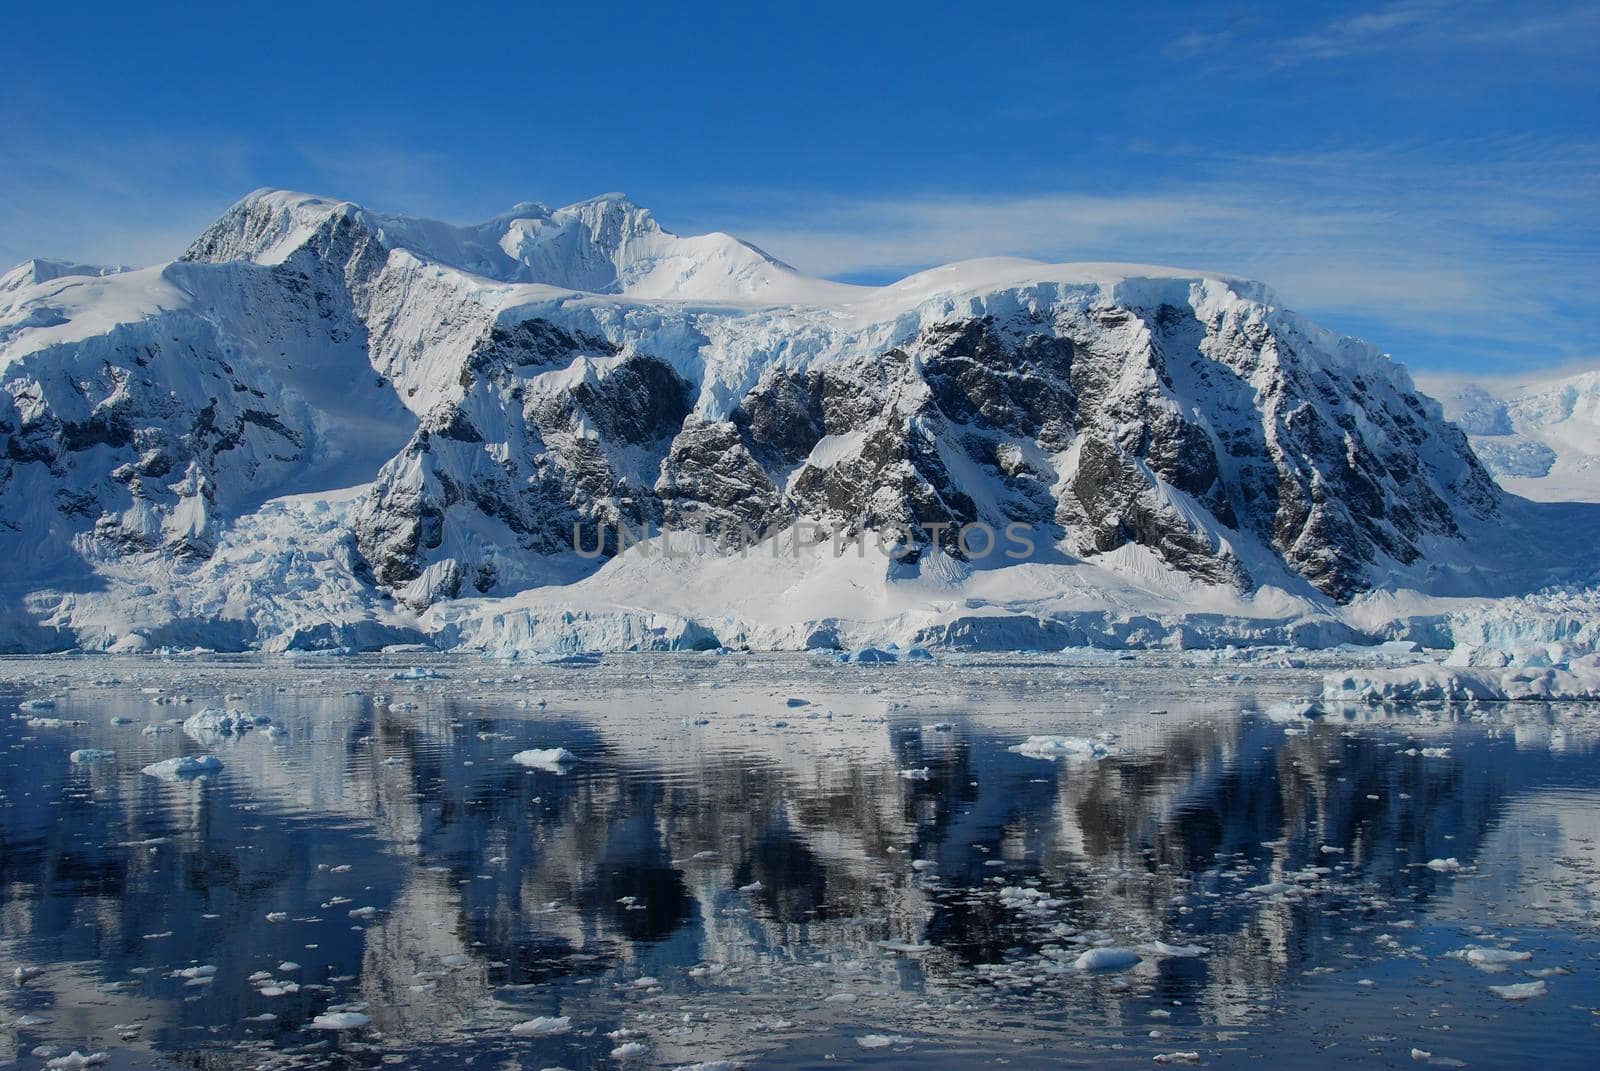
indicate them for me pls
(485, 393)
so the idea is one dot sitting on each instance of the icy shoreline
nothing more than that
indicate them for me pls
(1538, 632)
(283, 582)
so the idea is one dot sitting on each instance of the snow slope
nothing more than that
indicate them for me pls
(326, 426)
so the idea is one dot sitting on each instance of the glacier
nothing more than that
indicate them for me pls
(1539, 435)
(327, 428)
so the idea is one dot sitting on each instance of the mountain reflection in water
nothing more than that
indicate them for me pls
(776, 861)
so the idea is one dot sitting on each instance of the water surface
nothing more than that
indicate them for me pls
(781, 862)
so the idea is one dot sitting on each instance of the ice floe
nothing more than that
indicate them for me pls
(1521, 990)
(184, 766)
(552, 759)
(1065, 747)
(1107, 959)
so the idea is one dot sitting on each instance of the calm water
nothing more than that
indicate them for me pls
(787, 864)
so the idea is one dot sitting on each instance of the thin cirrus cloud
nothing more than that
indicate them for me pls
(1479, 249)
(1404, 24)
(1482, 244)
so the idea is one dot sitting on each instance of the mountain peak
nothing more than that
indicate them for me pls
(606, 244)
(40, 270)
(266, 225)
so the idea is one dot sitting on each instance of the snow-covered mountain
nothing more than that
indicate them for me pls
(325, 426)
(1540, 437)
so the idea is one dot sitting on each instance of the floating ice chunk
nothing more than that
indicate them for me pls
(277, 916)
(37, 704)
(86, 755)
(1271, 888)
(542, 1026)
(155, 730)
(907, 948)
(77, 1061)
(868, 656)
(1496, 956)
(1521, 990)
(417, 673)
(629, 1050)
(184, 766)
(1177, 1058)
(753, 887)
(577, 660)
(1443, 865)
(340, 1021)
(1107, 959)
(206, 971)
(1419, 684)
(922, 773)
(1161, 948)
(1069, 747)
(214, 722)
(22, 974)
(551, 759)
(1548, 972)
(881, 1041)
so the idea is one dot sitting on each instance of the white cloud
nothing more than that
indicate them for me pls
(1251, 46)
(1492, 241)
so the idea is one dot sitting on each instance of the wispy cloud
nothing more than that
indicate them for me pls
(1254, 45)
(1491, 242)
(1483, 249)
(1382, 27)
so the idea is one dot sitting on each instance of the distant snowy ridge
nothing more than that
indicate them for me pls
(329, 427)
(606, 245)
(1540, 437)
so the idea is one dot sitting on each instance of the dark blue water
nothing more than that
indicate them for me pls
(725, 874)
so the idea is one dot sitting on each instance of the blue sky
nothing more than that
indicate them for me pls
(1422, 173)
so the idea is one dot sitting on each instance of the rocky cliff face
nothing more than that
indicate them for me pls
(497, 389)
(1211, 443)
